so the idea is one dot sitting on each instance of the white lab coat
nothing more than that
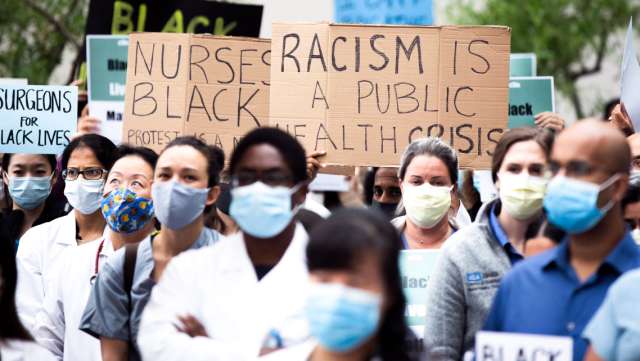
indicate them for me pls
(13, 350)
(218, 286)
(38, 254)
(57, 323)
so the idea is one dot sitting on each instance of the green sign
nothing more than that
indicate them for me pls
(416, 267)
(529, 96)
(522, 64)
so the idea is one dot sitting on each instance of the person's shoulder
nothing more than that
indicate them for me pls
(627, 284)
(466, 239)
(55, 223)
(529, 267)
(16, 350)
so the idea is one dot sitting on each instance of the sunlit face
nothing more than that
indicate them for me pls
(131, 172)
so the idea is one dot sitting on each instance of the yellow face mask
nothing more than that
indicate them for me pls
(425, 204)
(522, 195)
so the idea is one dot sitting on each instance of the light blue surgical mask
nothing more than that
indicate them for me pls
(177, 205)
(261, 210)
(572, 204)
(29, 192)
(342, 318)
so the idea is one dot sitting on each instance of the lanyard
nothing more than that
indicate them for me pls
(97, 264)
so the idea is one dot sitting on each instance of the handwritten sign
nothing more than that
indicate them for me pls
(416, 267)
(37, 119)
(529, 96)
(215, 88)
(362, 93)
(496, 346)
(523, 64)
(106, 76)
(401, 12)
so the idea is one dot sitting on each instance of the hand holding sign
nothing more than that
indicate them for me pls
(620, 119)
(549, 120)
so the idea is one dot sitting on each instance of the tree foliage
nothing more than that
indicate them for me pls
(569, 37)
(34, 34)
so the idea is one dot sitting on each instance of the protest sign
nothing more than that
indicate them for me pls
(177, 16)
(529, 96)
(522, 64)
(495, 346)
(106, 76)
(37, 119)
(401, 12)
(330, 183)
(14, 81)
(362, 93)
(630, 96)
(216, 88)
(416, 267)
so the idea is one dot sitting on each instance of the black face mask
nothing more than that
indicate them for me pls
(388, 209)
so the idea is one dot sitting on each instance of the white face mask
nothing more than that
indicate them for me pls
(425, 204)
(522, 195)
(84, 195)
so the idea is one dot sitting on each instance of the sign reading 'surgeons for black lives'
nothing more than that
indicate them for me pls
(37, 119)
(362, 93)
(215, 88)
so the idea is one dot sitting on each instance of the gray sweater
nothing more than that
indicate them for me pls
(462, 287)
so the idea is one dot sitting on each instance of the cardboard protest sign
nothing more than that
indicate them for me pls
(14, 81)
(529, 96)
(523, 64)
(37, 119)
(107, 76)
(401, 12)
(495, 346)
(362, 93)
(416, 267)
(630, 96)
(216, 88)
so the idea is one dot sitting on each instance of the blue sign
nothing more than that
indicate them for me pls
(399, 12)
(37, 119)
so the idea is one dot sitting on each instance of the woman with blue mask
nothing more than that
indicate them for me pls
(128, 210)
(185, 183)
(223, 302)
(355, 304)
(27, 183)
(85, 164)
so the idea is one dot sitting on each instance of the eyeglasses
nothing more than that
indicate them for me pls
(573, 168)
(271, 178)
(92, 173)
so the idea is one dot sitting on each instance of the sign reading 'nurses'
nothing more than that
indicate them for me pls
(362, 93)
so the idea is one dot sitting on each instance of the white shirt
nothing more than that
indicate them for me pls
(57, 323)
(13, 350)
(38, 254)
(463, 218)
(219, 287)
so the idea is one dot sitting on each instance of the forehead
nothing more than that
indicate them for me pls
(261, 157)
(524, 152)
(427, 165)
(27, 159)
(634, 143)
(132, 164)
(383, 173)
(182, 156)
(574, 148)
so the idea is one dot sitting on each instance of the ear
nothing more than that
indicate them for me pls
(54, 178)
(5, 178)
(213, 195)
(620, 188)
(300, 196)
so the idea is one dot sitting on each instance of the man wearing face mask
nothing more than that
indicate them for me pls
(246, 293)
(559, 291)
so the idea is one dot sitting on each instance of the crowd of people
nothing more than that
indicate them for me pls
(118, 253)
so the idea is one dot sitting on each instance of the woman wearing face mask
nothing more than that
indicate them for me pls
(85, 163)
(27, 181)
(128, 210)
(428, 180)
(473, 261)
(185, 183)
(355, 304)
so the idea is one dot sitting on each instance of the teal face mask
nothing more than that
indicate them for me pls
(29, 192)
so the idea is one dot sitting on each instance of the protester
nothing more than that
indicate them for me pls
(469, 193)
(475, 258)
(85, 163)
(634, 143)
(558, 291)
(619, 119)
(128, 211)
(428, 176)
(222, 302)
(385, 190)
(631, 207)
(185, 183)
(614, 331)
(355, 306)
(27, 183)
(16, 344)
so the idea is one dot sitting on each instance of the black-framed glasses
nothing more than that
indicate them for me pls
(269, 177)
(91, 173)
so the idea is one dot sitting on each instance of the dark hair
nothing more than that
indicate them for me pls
(608, 108)
(102, 148)
(6, 161)
(290, 149)
(148, 155)
(11, 328)
(368, 184)
(213, 155)
(435, 148)
(543, 137)
(339, 243)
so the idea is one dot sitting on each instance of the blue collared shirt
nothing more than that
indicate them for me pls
(502, 238)
(543, 294)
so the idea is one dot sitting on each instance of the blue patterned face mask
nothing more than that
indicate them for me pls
(125, 212)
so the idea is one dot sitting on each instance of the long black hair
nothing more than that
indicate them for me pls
(341, 241)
